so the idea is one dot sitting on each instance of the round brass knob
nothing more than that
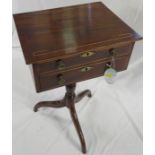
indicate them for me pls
(61, 79)
(60, 64)
(113, 55)
(112, 52)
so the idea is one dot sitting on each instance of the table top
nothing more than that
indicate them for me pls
(48, 33)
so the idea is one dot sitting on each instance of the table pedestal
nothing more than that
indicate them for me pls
(69, 101)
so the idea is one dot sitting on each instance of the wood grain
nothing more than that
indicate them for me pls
(70, 30)
(50, 80)
(78, 60)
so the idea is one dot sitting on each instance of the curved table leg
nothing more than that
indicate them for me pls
(69, 101)
(53, 104)
(71, 106)
(82, 95)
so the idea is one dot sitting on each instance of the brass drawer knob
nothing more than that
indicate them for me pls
(61, 79)
(113, 55)
(86, 69)
(112, 52)
(87, 54)
(60, 64)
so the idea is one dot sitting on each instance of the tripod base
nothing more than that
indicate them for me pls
(69, 101)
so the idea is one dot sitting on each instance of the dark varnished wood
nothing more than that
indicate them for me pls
(55, 40)
(53, 104)
(49, 34)
(83, 94)
(69, 100)
(98, 53)
(50, 80)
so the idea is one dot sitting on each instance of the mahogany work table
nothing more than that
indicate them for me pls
(72, 44)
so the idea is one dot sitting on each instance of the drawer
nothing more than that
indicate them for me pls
(83, 58)
(48, 81)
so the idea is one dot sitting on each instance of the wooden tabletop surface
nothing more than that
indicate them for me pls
(48, 33)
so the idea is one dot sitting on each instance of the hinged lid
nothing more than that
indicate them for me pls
(56, 32)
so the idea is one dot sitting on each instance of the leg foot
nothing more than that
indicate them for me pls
(75, 120)
(82, 95)
(69, 101)
(53, 104)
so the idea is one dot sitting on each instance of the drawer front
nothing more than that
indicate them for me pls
(49, 81)
(83, 58)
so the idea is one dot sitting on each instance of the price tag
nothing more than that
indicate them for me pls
(110, 73)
